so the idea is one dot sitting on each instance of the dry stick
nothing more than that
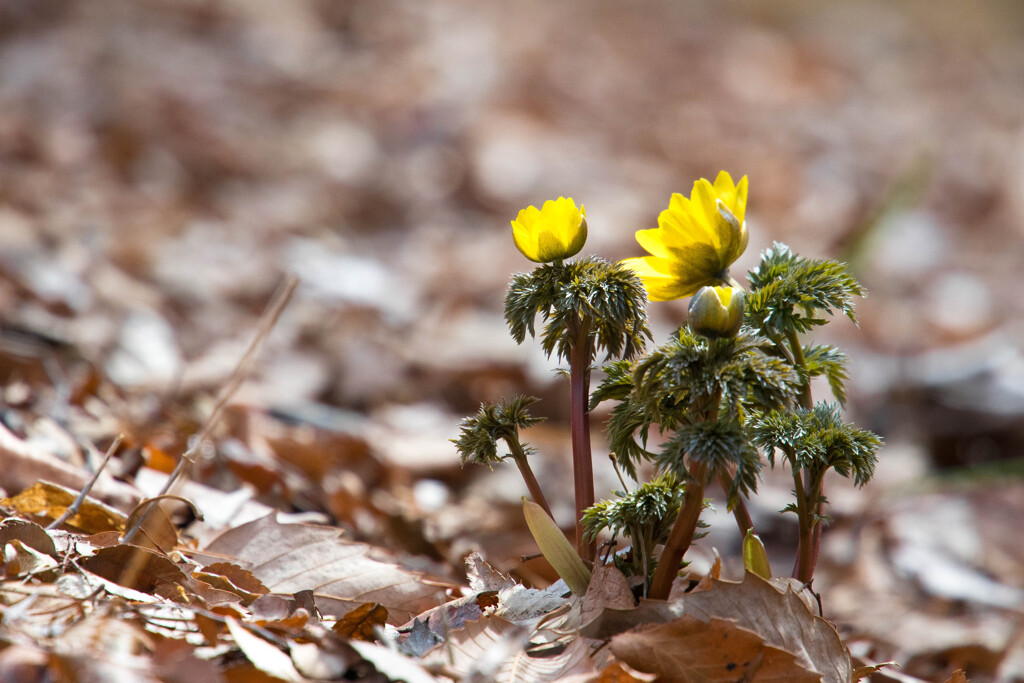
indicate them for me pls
(74, 507)
(263, 328)
(580, 355)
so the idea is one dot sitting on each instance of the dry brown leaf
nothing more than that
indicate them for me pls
(29, 533)
(958, 677)
(26, 463)
(294, 557)
(362, 622)
(483, 577)
(229, 577)
(620, 672)
(156, 530)
(22, 560)
(47, 501)
(137, 568)
(690, 650)
(493, 649)
(608, 589)
(263, 654)
(780, 617)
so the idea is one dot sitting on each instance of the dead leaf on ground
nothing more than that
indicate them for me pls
(47, 501)
(263, 654)
(293, 557)
(362, 622)
(691, 650)
(609, 588)
(29, 533)
(779, 616)
(137, 568)
(494, 649)
(230, 577)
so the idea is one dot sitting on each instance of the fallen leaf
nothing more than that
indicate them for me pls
(137, 568)
(609, 588)
(393, 665)
(47, 501)
(21, 560)
(779, 616)
(958, 677)
(230, 577)
(362, 622)
(293, 557)
(263, 654)
(691, 650)
(156, 530)
(29, 533)
(483, 577)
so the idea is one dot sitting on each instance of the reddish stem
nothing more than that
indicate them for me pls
(531, 481)
(739, 511)
(582, 463)
(681, 536)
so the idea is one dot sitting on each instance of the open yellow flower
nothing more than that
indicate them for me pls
(554, 232)
(696, 240)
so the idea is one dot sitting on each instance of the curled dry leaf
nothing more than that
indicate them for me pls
(29, 533)
(691, 650)
(294, 557)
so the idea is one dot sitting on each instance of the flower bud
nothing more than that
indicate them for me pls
(556, 548)
(717, 311)
(755, 557)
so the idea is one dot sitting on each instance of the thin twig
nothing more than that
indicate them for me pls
(74, 507)
(241, 373)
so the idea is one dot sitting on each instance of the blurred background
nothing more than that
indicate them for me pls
(164, 163)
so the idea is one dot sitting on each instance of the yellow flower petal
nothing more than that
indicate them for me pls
(556, 231)
(696, 240)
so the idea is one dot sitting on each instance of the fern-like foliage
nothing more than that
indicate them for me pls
(644, 515)
(478, 435)
(816, 440)
(682, 381)
(830, 362)
(716, 444)
(790, 293)
(608, 298)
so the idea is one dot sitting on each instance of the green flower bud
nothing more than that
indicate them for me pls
(717, 311)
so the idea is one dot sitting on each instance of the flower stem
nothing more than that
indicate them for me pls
(739, 510)
(519, 455)
(580, 356)
(681, 536)
(812, 492)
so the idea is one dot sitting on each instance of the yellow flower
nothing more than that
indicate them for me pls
(696, 240)
(554, 232)
(717, 311)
